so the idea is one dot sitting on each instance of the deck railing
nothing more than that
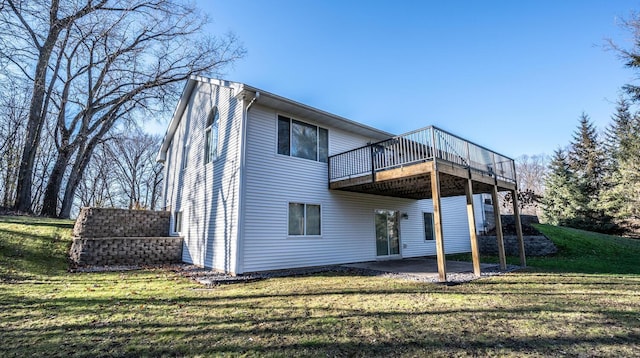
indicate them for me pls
(419, 146)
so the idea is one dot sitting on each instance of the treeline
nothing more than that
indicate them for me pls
(122, 172)
(594, 184)
(76, 79)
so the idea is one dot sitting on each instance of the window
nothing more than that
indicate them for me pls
(302, 140)
(211, 136)
(185, 155)
(304, 219)
(428, 226)
(177, 221)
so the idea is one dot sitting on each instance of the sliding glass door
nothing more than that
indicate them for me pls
(387, 235)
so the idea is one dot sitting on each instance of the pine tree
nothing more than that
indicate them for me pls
(559, 202)
(586, 157)
(621, 196)
(586, 160)
(617, 134)
(618, 141)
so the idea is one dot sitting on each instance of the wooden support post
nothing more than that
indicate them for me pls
(499, 237)
(516, 217)
(471, 216)
(437, 224)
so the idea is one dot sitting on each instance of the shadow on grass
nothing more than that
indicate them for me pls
(254, 328)
(37, 221)
(27, 255)
(566, 264)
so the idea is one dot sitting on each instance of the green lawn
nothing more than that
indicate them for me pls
(589, 252)
(579, 251)
(551, 310)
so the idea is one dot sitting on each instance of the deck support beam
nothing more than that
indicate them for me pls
(498, 220)
(475, 252)
(437, 224)
(518, 223)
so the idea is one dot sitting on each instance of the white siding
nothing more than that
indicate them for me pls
(207, 194)
(484, 213)
(348, 233)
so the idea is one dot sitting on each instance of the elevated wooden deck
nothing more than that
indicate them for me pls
(430, 164)
(413, 181)
(401, 166)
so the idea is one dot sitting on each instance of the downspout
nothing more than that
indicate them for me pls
(241, 196)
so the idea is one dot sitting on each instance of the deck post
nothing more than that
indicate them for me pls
(518, 223)
(373, 165)
(437, 223)
(499, 237)
(475, 252)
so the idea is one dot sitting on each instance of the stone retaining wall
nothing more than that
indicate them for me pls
(104, 222)
(533, 245)
(124, 237)
(104, 251)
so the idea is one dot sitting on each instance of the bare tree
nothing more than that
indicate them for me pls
(123, 172)
(137, 173)
(531, 171)
(45, 156)
(98, 186)
(34, 27)
(111, 61)
(13, 115)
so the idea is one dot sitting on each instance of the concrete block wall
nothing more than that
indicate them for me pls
(537, 245)
(104, 251)
(107, 222)
(124, 237)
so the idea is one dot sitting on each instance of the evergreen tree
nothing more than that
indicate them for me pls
(586, 161)
(586, 157)
(630, 180)
(618, 141)
(621, 195)
(617, 134)
(559, 202)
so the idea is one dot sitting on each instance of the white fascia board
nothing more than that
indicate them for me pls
(275, 101)
(270, 100)
(182, 105)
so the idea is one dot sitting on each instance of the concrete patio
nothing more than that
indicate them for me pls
(422, 268)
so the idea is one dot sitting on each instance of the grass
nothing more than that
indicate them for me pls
(580, 251)
(45, 311)
(589, 252)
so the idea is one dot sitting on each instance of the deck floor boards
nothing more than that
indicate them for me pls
(414, 181)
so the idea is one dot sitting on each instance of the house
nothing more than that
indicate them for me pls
(256, 182)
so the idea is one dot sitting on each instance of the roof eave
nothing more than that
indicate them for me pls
(285, 104)
(175, 119)
(270, 100)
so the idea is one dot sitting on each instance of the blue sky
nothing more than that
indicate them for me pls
(510, 75)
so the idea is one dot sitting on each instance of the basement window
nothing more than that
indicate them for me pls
(304, 219)
(302, 140)
(429, 233)
(177, 222)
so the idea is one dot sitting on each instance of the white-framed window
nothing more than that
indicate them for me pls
(429, 232)
(302, 140)
(211, 136)
(304, 219)
(177, 222)
(185, 155)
